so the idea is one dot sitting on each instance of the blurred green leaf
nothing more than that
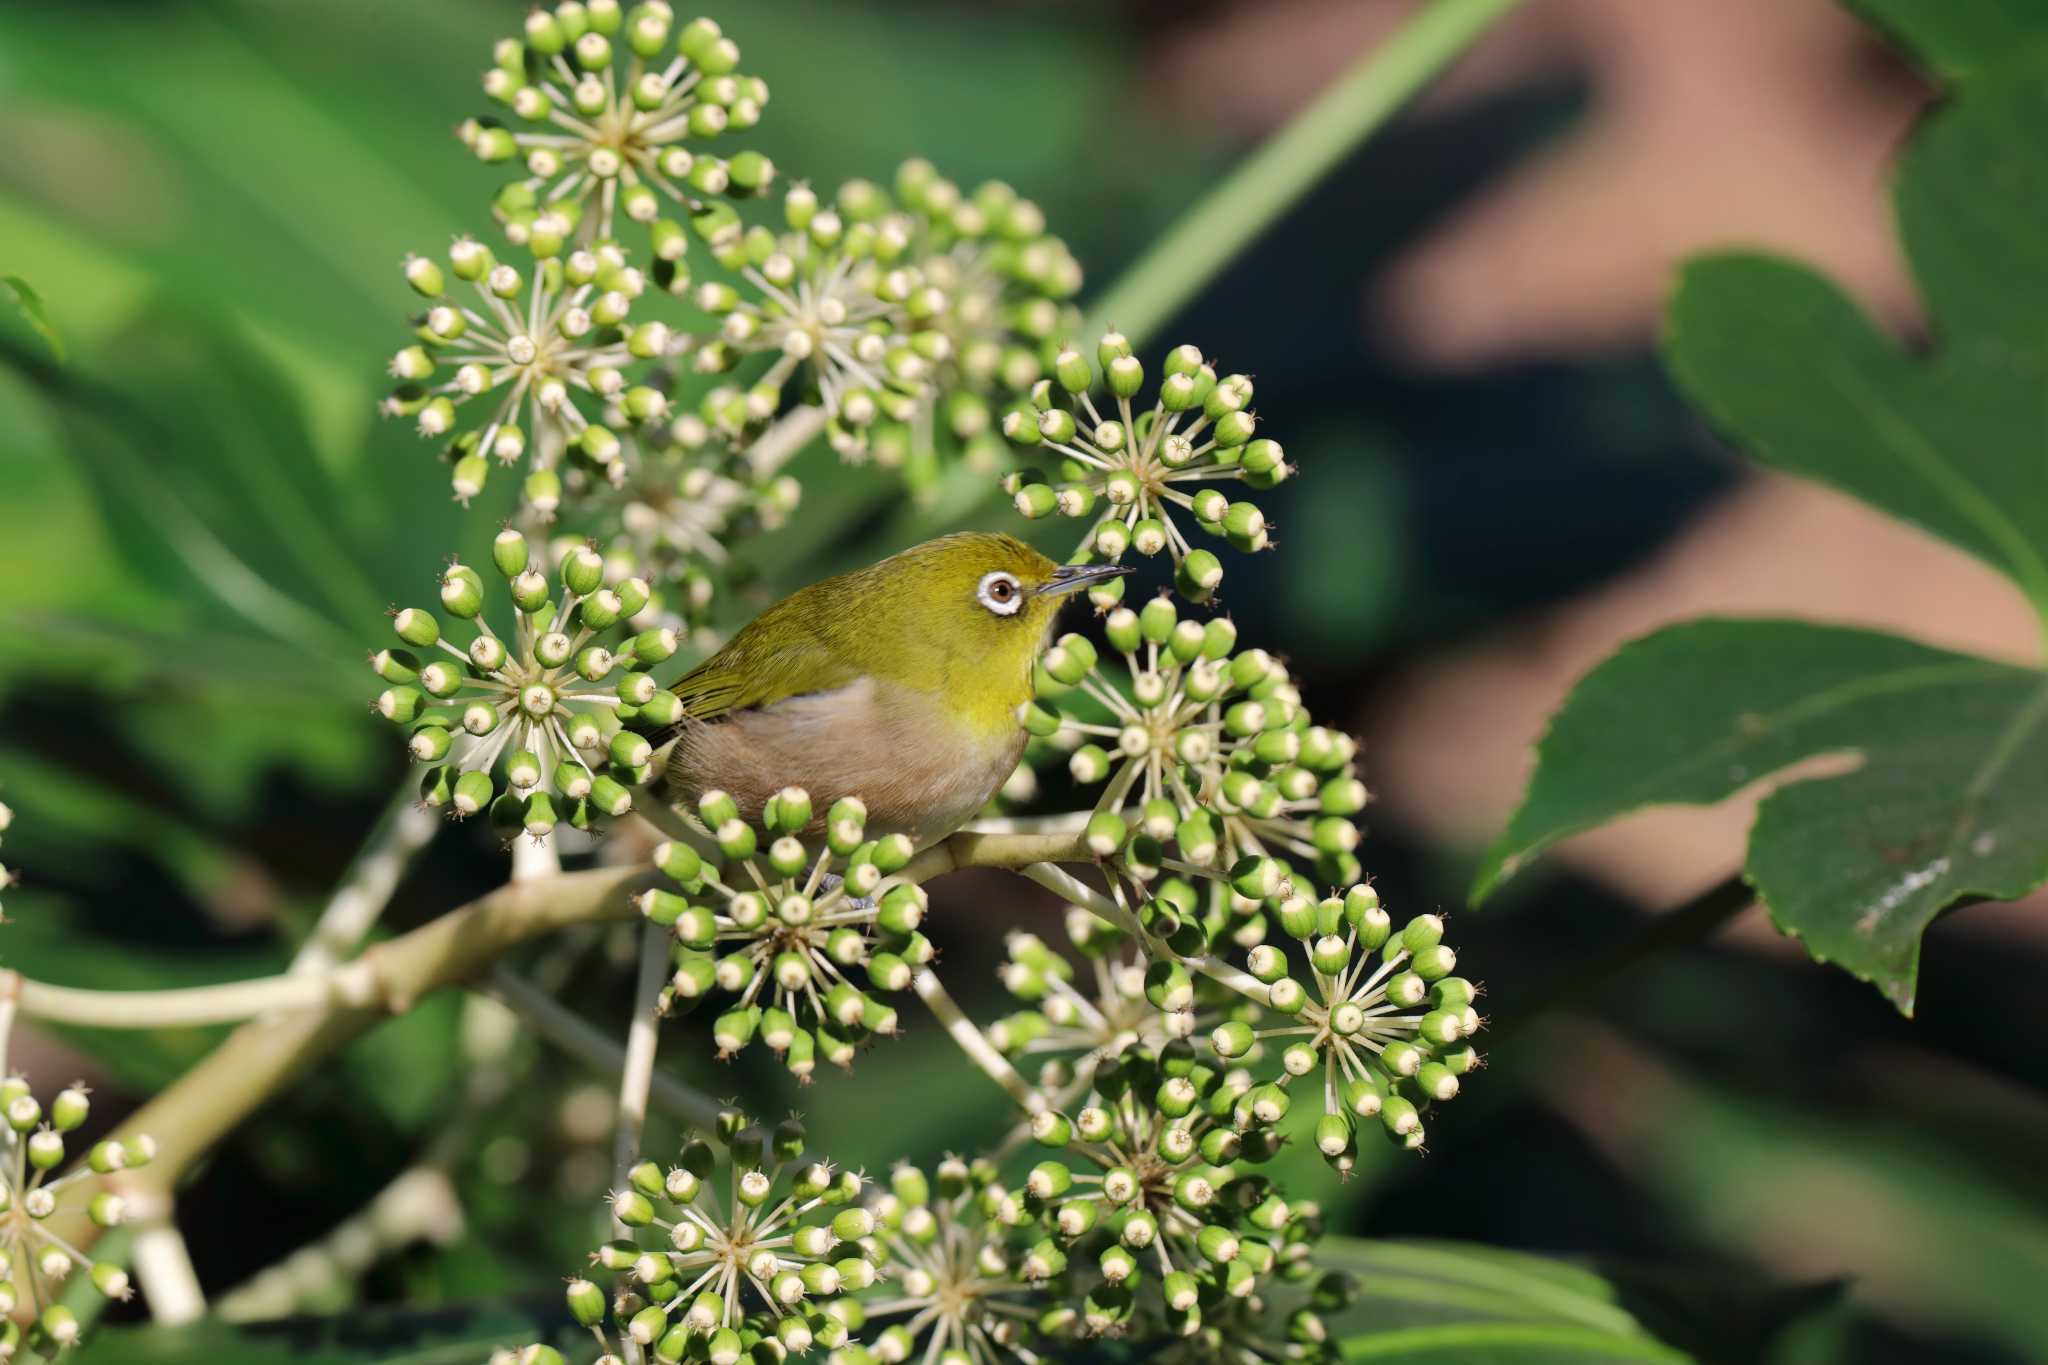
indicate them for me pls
(30, 305)
(1436, 1302)
(1949, 797)
(1954, 443)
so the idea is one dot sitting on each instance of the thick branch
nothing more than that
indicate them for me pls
(260, 1059)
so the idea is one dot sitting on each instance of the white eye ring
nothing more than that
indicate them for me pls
(1000, 593)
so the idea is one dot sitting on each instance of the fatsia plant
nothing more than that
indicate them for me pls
(644, 328)
(1947, 795)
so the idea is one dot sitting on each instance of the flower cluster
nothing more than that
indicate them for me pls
(900, 315)
(1070, 1027)
(610, 109)
(1151, 1205)
(532, 728)
(680, 498)
(952, 1270)
(833, 300)
(1133, 470)
(759, 1252)
(35, 1261)
(1197, 744)
(798, 952)
(539, 355)
(1008, 286)
(1373, 1017)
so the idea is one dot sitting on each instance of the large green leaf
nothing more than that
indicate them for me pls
(1957, 443)
(1948, 798)
(1434, 1303)
(1440, 1302)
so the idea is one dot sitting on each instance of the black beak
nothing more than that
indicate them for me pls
(1074, 577)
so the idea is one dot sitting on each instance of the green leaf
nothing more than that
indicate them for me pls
(1798, 376)
(1443, 1302)
(30, 305)
(1948, 798)
(1957, 36)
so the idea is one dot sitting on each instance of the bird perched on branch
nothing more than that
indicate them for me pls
(898, 683)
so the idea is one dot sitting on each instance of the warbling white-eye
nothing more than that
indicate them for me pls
(898, 683)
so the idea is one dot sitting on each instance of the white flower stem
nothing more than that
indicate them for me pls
(636, 1075)
(534, 858)
(10, 996)
(779, 444)
(974, 1043)
(163, 1269)
(366, 887)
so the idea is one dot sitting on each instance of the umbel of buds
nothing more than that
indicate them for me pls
(1200, 747)
(1139, 471)
(682, 496)
(36, 1263)
(538, 726)
(1075, 1017)
(1152, 1203)
(1371, 1017)
(952, 1289)
(841, 303)
(1008, 288)
(741, 1242)
(509, 364)
(610, 111)
(799, 948)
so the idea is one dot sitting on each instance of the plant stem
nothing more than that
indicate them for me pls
(420, 1204)
(974, 1043)
(781, 443)
(1074, 891)
(189, 1007)
(1275, 177)
(574, 1035)
(405, 828)
(163, 1269)
(1008, 851)
(535, 858)
(261, 1058)
(1694, 921)
(636, 1076)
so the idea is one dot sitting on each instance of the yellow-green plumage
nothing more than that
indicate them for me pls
(898, 683)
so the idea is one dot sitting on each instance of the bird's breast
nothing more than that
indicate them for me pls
(920, 767)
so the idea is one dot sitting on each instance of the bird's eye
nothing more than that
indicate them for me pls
(1000, 593)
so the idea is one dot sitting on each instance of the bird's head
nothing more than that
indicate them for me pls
(985, 602)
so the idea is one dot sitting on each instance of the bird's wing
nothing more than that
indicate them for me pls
(767, 662)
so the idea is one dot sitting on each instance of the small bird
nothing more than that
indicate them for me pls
(898, 683)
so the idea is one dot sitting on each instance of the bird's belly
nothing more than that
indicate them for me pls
(918, 770)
